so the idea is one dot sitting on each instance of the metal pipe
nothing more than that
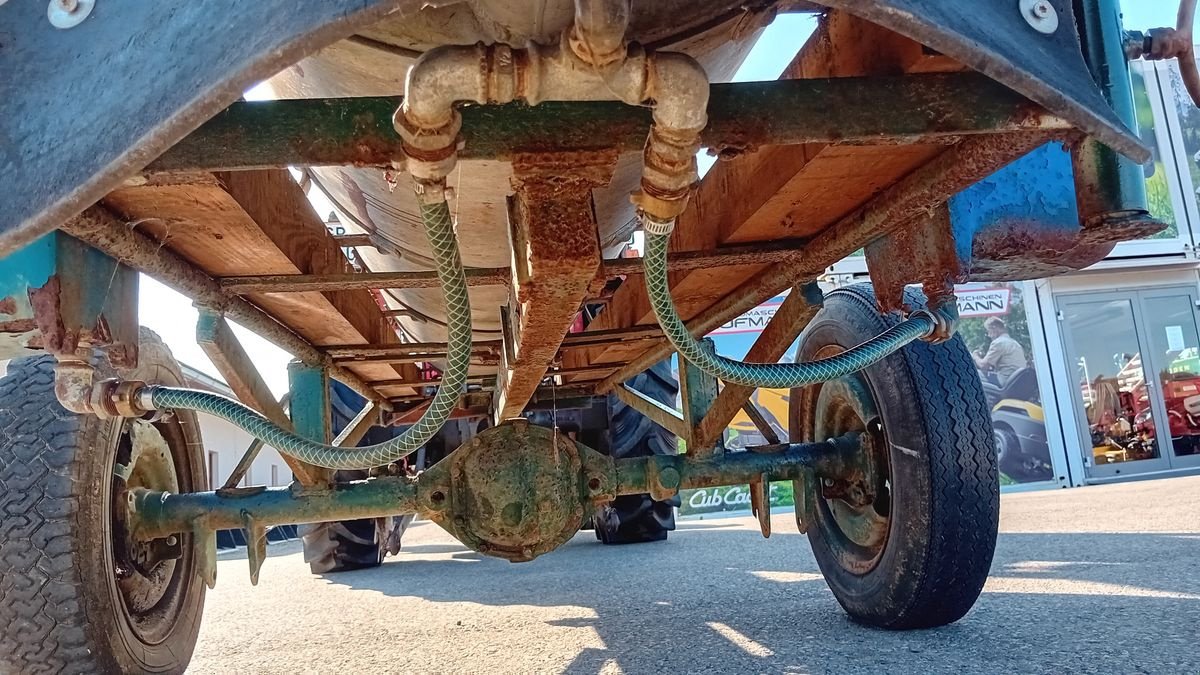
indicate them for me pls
(598, 35)
(674, 85)
(158, 514)
(102, 230)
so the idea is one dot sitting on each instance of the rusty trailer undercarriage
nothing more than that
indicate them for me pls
(947, 141)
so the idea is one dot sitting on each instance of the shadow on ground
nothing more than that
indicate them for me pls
(716, 597)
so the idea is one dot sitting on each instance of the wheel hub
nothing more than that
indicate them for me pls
(145, 570)
(514, 491)
(855, 506)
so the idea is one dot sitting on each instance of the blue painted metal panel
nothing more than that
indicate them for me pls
(60, 295)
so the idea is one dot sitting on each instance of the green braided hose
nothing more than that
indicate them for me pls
(440, 230)
(768, 375)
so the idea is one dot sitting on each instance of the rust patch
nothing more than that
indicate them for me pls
(18, 326)
(922, 251)
(8, 305)
(1017, 250)
(47, 311)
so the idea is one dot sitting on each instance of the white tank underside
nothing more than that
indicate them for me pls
(718, 33)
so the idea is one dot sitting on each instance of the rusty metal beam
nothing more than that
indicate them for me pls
(300, 283)
(741, 117)
(760, 422)
(438, 349)
(104, 231)
(358, 427)
(353, 240)
(222, 347)
(800, 306)
(917, 194)
(425, 349)
(783, 252)
(555, 256)
(611, 336)
(472, 379)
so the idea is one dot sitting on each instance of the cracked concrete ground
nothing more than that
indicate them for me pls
(1091, 580)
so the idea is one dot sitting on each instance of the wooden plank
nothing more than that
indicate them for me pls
(259, 222)
(780, 192)
(226, 352)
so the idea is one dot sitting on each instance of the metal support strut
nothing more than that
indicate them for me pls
(159, 514)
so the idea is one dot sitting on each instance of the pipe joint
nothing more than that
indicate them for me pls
(598, 35)
(78, 391)
(679, 88)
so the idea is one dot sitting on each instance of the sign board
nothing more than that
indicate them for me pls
(751, 322)
(981, 302)
(729, 498)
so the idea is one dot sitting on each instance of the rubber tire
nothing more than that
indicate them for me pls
(944, 479)
(58, 610)
(343, 546)
(636, 519)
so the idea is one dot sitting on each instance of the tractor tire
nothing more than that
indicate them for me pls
(343, 546)
(70, 601)
(635, 519)
(919, 554)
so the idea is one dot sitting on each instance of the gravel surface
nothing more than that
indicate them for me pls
(1090, 580)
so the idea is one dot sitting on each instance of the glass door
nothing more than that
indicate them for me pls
(1136, 357)
(1114, 402)
(1174, 349)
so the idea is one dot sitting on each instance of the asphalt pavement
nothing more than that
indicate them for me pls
(1088, 580)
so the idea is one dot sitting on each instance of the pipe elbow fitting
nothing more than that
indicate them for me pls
(598, 35)
(438, 79)
(679, 88)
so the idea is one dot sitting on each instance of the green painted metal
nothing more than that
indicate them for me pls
(1106, 182)
(493, 489)
(62, 296)
(308, 402)
(699, 391)
(743, 116)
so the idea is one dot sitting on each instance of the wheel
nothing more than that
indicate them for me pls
(633, 519)
(342, 546)
(76, 593)
(918, 553)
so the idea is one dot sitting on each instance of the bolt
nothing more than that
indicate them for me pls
(68, 6)
(172, 540)
(1042, 9)
(668, 478)
(828, 482)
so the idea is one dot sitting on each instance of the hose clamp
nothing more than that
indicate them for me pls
(657, 226)
(943, 328)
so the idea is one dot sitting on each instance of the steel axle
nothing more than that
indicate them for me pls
(445, 493)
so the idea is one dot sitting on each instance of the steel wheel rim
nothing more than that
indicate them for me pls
(150, 605)
(857, 534)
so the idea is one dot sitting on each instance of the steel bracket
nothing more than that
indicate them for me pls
(61, 296)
